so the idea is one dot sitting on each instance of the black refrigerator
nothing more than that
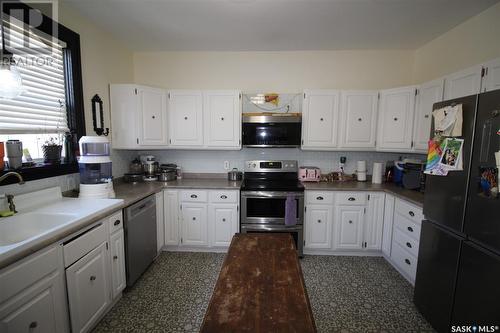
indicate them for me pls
(458, 271)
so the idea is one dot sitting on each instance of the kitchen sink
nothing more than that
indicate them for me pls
(23, 226)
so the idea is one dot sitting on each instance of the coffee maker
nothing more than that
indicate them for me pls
(150, 167)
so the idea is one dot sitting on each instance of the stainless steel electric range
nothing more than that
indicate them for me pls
(266, 186)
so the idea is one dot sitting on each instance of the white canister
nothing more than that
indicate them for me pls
(361, 176)
(361, 166)
(377, 173)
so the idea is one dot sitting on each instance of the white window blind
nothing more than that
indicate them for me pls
(41, 108)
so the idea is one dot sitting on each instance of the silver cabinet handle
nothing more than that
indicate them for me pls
(223, 220)
(222, 118)
(411, 213)
(153, 117)
(223, 196)
(426, 116)
(408, 261)
(350, 221)
(33, 324)
(408, 244)
(92, 278)
(321, 119)
(194, 196)
(360, 119)
(319, 221)
(194, 218)
(116, 222)
(352, 199)
(319, 198)
(395, 119)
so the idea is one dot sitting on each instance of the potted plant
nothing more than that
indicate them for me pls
(52, 150)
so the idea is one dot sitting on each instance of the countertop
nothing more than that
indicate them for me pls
(132, 193)
(415, 197)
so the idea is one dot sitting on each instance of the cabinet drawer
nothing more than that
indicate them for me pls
(404, 260)
(224, 196)
(194, 196)
(351, 198)
(319, 198)
(115, 222)
(408, 243)
(84, 243)
(410, 211)
(20, 275)
(407, 226)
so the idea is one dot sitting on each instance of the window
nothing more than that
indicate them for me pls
(50, 109)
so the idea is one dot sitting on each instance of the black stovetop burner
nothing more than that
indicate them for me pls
(286, 181)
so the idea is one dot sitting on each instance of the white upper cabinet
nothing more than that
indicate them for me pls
(428, 94)
(186, 118)
(138, 117)
(464, 83)
(153, 106)
(396, 110)
(358, 113)
(491, 80)
(222, 118)
(320, 118)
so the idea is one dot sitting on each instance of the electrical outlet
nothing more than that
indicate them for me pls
(226, 165)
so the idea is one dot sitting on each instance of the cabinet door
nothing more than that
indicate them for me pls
(492, 79)
(124, 106)
(374, 221)
(320, 117)
(224, 223)
(318, 227)
(88, 289)
(358, 119)
(160, 224)
(153, 113)
(171, 217)
(118, 279)
(464, 83)
(222, 118)
(349, 227)
(194, 224)
(397, 107)
(39, 308)
(428, 94)
(185, 118)
(388, 224)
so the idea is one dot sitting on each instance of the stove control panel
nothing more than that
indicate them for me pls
(271, 166)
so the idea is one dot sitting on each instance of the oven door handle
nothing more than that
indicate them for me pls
(273, 228)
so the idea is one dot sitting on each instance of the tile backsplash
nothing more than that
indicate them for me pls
(213, 161)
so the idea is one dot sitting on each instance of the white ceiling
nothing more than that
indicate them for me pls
(275, 25)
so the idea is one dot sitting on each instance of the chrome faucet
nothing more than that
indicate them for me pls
(12, 173)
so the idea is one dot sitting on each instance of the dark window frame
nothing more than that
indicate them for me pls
(74, 98)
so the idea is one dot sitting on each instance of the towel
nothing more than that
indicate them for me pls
(290, 210)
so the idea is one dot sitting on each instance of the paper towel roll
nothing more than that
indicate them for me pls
(361, 166)
(377, 173)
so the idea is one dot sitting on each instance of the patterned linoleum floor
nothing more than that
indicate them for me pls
(347, 294)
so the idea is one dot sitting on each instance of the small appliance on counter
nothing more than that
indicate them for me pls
(150, 166)
(413, 176)
(234, 175)
(136, 166)
(96, 179)
(377, 172)
(14, 149)
(309, 174)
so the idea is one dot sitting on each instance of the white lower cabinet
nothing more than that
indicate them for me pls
(374, 221)
(318, 233)
(194, 222)
(223, 219)
(388, 222)
(200, 218)
(88, 289)
(349, 227)
(118, 279)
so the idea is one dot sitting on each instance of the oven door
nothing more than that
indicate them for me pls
(269, 135)
(296, 231)
(267, 207)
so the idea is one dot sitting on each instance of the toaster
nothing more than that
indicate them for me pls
(309, 174)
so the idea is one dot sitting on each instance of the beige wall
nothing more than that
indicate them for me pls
(104, 61)
(274, 71)
(470, 43)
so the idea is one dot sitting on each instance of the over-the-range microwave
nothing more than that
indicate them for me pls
(272, 131)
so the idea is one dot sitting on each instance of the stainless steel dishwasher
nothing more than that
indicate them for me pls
(140, 237)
